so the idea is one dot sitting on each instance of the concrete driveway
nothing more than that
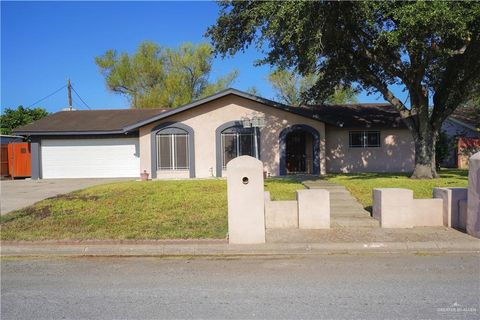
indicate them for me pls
(17, 194)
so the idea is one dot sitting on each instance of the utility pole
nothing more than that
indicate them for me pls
(69, 88)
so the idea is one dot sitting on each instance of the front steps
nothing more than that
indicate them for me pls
(345, 210)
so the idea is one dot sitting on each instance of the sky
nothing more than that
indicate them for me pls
(45, 43)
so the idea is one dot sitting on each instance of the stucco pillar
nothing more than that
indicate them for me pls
(393, 207)
(473, 199)
(451, 205)
(246, 208)
(313, 209)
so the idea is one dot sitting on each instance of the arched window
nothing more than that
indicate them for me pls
(173, 149)
(237, 141)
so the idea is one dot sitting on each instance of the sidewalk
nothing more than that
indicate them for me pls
(432, 240)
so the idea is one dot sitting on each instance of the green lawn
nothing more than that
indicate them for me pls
(134, 210)
(361, 185)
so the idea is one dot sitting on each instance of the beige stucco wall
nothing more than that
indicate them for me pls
(205, 119)
(396, 153)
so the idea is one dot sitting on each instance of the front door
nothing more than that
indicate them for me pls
(296, 152)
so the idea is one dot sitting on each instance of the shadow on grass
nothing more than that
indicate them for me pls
(289, 180)
(444, 174)
(369, 176)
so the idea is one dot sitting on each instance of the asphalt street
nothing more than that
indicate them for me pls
(320, 287)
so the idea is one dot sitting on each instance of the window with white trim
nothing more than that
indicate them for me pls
(364, 139)
(237, 141)
(172, 149)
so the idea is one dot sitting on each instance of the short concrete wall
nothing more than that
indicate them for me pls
(396, 208)
(280, 214)
(310, 211)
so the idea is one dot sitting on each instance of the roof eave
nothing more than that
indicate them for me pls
(216, 96)
(466, 125)
(64, 133)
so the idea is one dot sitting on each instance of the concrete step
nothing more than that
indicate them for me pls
(345, 204)
(357, 213)
(327, 188)
(353, 222)
(351, 208)
(341, 196)
(323, 186)
(346, 209)
(360, 214)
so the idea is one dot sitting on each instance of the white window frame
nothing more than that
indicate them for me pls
(364, 139)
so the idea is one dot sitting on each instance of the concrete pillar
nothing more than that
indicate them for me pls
(473, 201)
(313, 209)
(246, 211)
(393, 207)
(451, 205)
(35, 160)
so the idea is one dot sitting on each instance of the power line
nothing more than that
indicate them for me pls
(80, 98)
(51, 94)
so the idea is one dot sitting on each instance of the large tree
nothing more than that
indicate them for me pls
(155, 76)
(430, 49)
(291, 88)
(14, 118)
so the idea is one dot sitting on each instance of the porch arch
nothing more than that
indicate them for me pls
(283, 146)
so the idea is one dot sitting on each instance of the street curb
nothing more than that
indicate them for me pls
(223, 249)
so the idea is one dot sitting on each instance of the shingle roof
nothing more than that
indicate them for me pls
(122, 121)
(101, 121)
(467, 115)
(362, 115)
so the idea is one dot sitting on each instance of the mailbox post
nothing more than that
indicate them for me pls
(246, 207)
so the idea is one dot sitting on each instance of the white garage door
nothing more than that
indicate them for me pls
(90, 158)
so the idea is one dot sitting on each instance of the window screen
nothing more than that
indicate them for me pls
(172, 151)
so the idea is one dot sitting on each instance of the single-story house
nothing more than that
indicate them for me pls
(198, 139)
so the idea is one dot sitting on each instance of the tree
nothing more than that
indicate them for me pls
(155, 76)
(14, 118)
(292, 89)
(253, 90)
(430, 49)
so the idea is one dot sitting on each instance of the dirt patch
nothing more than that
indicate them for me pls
(75, 197)
(40, 213)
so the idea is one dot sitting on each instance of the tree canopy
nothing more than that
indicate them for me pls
(430, 49)
(14, 118)
(156, 76)
(291, 88)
